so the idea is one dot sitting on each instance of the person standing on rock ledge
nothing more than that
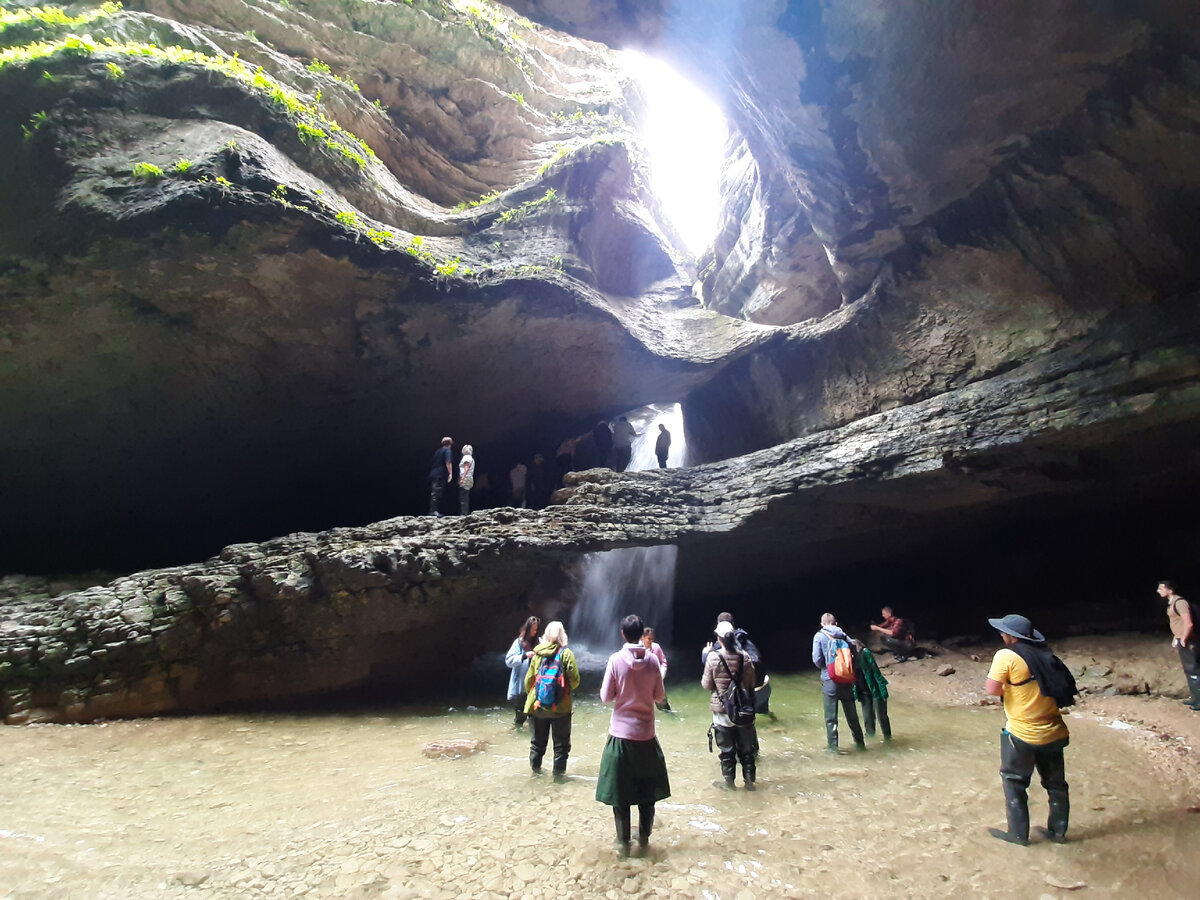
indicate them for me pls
(1182, 617)
(441, 473)
(662, 446)
(466, 478)
(1024, 673)
(623, 435)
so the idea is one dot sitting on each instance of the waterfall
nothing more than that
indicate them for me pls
(640, 580)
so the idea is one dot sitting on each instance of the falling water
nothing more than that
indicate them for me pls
(637, 580)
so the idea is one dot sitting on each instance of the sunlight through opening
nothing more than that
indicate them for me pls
(684, 133)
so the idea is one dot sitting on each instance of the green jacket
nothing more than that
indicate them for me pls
(541, 653)
(876, 683)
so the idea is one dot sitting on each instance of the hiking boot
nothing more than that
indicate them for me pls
(1006, 836)
(1049, 835)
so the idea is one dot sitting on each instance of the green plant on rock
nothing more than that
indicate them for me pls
(350, 219)
(36, 121)
(53, 16)
(320, 67)
(147, 171)
(518, 96)
(182, 166)
(334, 138)
(518, 213)
(115, 72)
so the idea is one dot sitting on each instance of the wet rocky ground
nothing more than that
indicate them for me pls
(343, 803)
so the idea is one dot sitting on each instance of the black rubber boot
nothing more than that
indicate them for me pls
(748, 773)
(645, 824)
(621, 817)
(1016, 805)
(1194, 686)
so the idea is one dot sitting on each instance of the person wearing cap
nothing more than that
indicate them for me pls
(1033, 736)
(735, 743)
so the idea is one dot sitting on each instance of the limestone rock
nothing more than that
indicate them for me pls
(454, 748)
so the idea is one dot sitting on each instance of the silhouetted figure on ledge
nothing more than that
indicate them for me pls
(602, 437)
(662, 446)
(623, 435)
(441, 473)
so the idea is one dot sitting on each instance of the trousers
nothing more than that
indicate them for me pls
(872, 708)
(1018, 760)
(543, 726)
(845, 697)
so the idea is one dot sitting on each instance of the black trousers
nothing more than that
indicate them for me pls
(436, 486)
(1189, 656)
(873, 707)
(1018, 760)
(844, 696)
(543, 726)
(736, 744)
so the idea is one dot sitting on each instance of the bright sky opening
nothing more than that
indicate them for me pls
(685, 135)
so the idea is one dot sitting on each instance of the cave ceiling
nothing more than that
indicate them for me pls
(254, 280)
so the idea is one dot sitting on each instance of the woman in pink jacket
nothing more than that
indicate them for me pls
(633, 770)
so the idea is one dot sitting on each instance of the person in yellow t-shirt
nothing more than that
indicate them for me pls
(1033, 736)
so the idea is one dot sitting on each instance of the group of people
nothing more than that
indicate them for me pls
(441, 474)
(633, 769)
(1034, 685)
(532, 485)
(608, 446)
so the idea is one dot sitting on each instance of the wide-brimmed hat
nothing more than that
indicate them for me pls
(1018, 627)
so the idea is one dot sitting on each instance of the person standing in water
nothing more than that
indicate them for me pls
(633, 770)
(517, 659)
(649, 643)
(736, 743)
(1034, 734)
(555, 716)
(662, 446)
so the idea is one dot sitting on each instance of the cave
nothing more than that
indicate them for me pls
(941, 351)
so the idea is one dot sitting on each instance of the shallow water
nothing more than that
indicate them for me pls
(346, 805)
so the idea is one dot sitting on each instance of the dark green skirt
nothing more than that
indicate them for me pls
(632, 773)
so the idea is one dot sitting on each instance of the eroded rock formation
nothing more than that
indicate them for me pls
(955, 284)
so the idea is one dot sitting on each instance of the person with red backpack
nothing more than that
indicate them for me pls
(550, 684)
(831, 653)
(1182, 617)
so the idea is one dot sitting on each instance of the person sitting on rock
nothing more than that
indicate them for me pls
(897, 635)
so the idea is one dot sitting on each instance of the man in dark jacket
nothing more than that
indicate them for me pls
(441, 473)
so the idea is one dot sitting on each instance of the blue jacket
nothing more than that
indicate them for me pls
(515, 660)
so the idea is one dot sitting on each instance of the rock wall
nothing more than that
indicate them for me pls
(312, 613)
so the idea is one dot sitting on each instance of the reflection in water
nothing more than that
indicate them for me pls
(345, 805)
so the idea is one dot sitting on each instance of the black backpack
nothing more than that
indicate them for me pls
(737, 699)
(1053, 677)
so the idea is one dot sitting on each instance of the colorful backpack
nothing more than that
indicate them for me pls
(550, 683)
(841, 667)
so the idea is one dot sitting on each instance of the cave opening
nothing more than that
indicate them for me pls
(684, 133)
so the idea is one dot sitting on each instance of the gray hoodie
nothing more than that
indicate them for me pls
(822, 654)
